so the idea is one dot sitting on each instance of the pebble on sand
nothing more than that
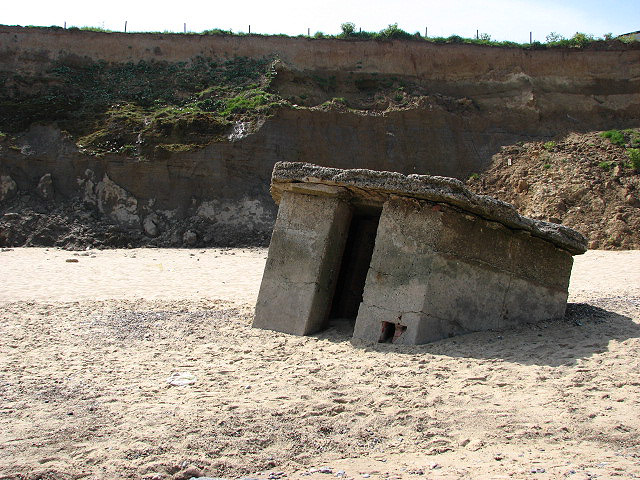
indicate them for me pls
(181, 379)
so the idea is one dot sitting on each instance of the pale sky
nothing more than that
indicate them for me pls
(502, 19)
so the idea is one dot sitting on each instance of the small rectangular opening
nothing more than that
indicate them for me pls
(391, 331)
(355, 265)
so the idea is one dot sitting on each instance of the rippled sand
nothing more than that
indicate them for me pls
(87, 347)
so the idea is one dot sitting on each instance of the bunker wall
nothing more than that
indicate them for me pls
(303, 263)
(439, 272)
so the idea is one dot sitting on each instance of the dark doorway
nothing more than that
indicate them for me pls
(355, 265)
(391, 332)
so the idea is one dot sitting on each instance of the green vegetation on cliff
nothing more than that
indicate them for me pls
(139, 108)
(148, 107)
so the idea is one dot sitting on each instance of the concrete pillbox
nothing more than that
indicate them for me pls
(411, 259)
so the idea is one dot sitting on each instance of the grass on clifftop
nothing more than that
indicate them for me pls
(393, 32)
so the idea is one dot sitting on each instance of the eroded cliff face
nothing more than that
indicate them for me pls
(584, 181)
(404, 106)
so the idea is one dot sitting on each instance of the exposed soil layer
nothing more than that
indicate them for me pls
(75, 225)
(584, 181)
(171, 139)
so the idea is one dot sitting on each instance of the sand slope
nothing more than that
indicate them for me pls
(86, 349)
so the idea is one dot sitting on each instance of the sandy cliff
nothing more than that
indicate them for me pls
(408, 106)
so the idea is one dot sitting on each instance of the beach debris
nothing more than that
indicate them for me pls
(327, 470)
(188, 473)
(150, 225)
(190, 238)
(71, 260)
(538, 470)
(181, 379)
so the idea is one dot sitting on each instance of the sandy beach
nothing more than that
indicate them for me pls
(142, 364)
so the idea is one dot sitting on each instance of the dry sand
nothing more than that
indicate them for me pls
(86, 349)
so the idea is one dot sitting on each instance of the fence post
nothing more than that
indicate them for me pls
(249, 29)
(125, 26)
(530, 37)
(477, 34)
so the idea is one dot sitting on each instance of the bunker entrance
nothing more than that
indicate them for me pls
(355, 265)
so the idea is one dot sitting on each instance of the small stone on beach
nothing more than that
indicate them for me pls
(181, 379)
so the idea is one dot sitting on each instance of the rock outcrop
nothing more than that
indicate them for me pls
(8, 188)
(45, 187)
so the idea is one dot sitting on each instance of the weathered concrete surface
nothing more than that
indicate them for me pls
(375, 187)
(445, 261)
(439, 273)
(303, 263)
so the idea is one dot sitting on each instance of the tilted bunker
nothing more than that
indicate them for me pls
(412, 259)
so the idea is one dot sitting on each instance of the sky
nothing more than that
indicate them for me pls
(501, 19)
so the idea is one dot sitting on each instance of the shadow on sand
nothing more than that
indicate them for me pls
(585, 330)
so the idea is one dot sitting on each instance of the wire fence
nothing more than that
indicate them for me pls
(391, 32)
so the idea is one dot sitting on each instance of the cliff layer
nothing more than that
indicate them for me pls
(585, 181)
